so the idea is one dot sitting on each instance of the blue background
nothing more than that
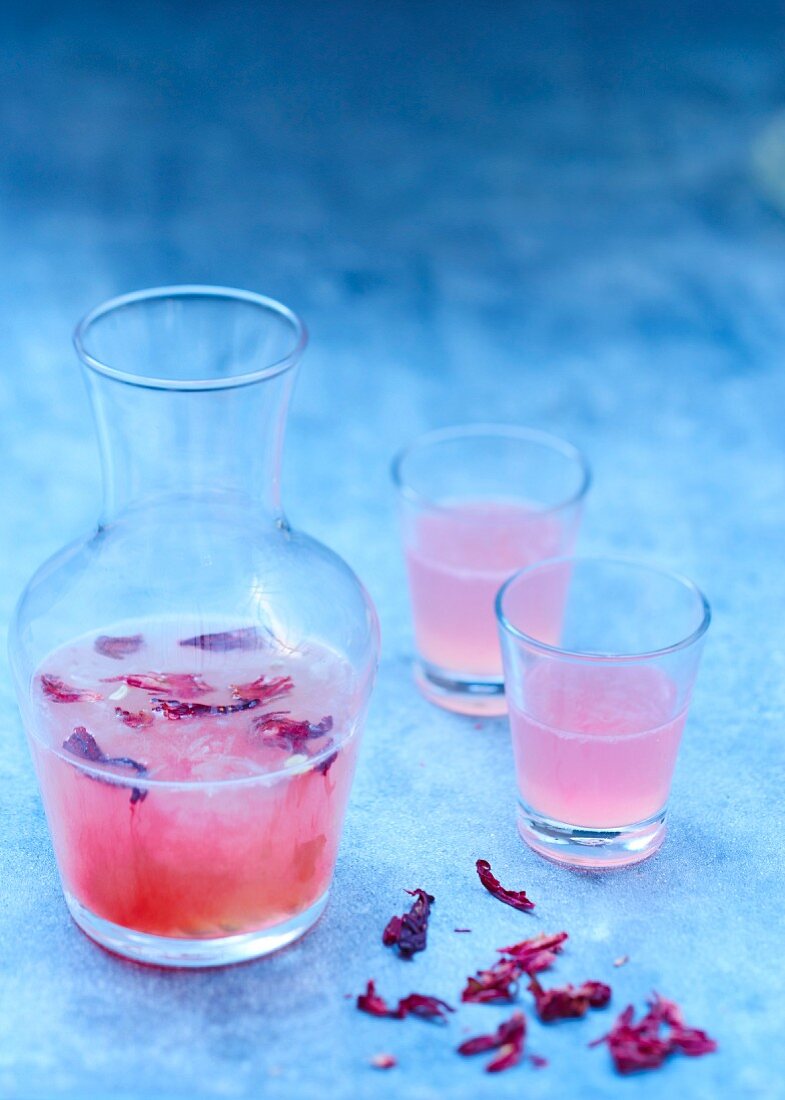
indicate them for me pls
(537, 212)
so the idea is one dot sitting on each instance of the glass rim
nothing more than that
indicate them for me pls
(582, 655)
(509, 431)
(187, 291)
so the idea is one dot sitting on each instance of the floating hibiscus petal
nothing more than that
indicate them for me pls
(245, 638)
(60, 692)
(174, 709)
(118, 647)
(263, 690)
(409, 933)
(181, 685)
(136, 721)
(83, 744)
(516, 898)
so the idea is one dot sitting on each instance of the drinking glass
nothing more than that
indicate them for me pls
(597, 708)
(476, 503)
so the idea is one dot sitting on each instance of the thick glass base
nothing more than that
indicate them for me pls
(481, 696)
(591, 848)
(171, 951)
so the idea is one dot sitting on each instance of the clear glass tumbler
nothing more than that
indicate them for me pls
(597, 706)
(193, 675)
(477, 503)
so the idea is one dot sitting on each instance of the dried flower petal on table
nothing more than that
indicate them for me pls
(383, 1061)
(497, 984)
(537, 953)
(409, 933)
(118, 647)
(371, 1002)
(416, 1004)
(508, 1039)
(640, 1046)
(567, 1002)
(516, 898)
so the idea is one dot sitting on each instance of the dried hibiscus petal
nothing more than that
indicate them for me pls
(282, 732)
(640, 1046)
(81, 743)
(137, 721)
(409, 933)
(371, 1002)
(508, 1039)
(567, 1002)
(118, 647)
(225, 640)
(537, 953)
(324, 766)
(516, 898)
(174, 709)
(497, 983)
(60, 692)
(416, 1004)
(264, 691)
(183, 685)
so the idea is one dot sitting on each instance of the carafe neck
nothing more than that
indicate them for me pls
(174, 444)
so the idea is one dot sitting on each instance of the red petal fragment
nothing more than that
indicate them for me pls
(538, 1061)
(391, 932)
(371, 1002)
(568, 1003)
(183, 685)
(409, 933)
(283, 732)
(498, 983)
(60, 692)
(245, 638)
(174, 710)
(118, 647)
(136, 721)
(416, 1004)
(263, 690)
(81, 743)
(639, 1046)
(516, 898)
(537, 953)
(508, 1039)
(383, 1061)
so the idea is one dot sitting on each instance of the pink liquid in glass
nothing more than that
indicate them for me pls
(233, 824)
(596, 746)
(457, 559)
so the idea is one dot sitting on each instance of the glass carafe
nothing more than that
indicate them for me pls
(193, 675)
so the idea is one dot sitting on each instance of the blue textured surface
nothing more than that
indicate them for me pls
(533, 212)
